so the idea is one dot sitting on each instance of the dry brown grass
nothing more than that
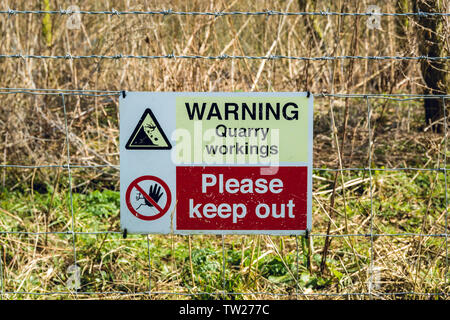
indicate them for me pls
(33, 133)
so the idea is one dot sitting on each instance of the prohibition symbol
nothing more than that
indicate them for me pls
(145, 195)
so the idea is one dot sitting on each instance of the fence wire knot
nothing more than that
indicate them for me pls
(420, 13)
(114, 12)
(166, 12)
(66, 12)
(11, 12)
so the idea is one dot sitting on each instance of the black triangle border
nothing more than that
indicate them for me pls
(128, 145)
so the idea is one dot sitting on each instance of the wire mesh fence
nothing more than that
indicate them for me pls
(232, 265)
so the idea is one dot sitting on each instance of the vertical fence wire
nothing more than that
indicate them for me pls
(2, 287)
(446, 188)
(70, 184)
(224, 284)
(149, 267)
(2, 254)
(369, 114)
(297, 266)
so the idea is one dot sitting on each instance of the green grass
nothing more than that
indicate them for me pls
(404, 202)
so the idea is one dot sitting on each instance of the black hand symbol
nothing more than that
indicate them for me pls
(155, 193)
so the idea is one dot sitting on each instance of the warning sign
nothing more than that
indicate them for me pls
(148, 198)
(216, 163)
(148, 134)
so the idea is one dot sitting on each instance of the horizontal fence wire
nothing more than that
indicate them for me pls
(313, 294)
(438, 235)
(267, 13)
(120, 56)
(81, 92)
(117, 167)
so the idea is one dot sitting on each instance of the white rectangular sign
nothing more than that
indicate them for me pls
(220, 163)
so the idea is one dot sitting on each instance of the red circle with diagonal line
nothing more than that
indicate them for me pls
(161, 211)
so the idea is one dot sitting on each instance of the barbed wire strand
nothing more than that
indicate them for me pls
(66, 91)
(69, 56)
(217, 14)
(57, 93)
(403, 97)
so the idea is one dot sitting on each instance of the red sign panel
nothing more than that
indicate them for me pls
(241, 198)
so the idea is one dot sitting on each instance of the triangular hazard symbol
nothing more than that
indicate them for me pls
(148, 134)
